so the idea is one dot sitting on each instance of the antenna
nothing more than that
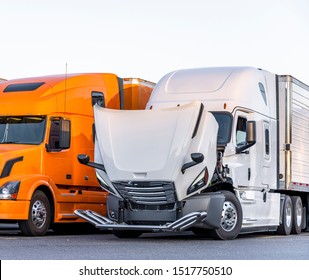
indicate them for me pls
(65, 87)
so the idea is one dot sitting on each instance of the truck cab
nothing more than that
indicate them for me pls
(45, 122)
(209, 140)
(243, 101)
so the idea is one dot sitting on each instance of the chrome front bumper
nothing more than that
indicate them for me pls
(181, 224)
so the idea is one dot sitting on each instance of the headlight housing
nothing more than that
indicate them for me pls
(199, 182)
(104, 185)
(9, 190)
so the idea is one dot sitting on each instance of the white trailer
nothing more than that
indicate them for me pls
(218, 151)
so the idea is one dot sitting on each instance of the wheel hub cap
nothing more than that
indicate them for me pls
(38, 212)
(229, 216)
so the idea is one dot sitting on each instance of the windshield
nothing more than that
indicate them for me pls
(22, 129)
(225, 126)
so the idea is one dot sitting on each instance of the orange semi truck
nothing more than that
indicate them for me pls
(45, 122)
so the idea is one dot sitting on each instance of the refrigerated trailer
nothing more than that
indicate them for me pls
(219, 151)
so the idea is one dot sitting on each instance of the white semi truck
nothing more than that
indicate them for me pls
(219, 151)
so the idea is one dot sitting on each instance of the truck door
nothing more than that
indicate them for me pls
(243, 171)
(254, 172)
(254, 163)
(58, 157)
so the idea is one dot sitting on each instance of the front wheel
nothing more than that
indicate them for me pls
(39, 216)
(231, 218)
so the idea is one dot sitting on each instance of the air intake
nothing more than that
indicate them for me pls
(147, 193)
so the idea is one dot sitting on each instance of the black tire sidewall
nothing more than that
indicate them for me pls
(296, 200)
(35, 231)
(220, 233)
(283, 228)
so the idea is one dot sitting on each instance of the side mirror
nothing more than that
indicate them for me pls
(251, 132)
(83, 159)
(65, 134)
(196, 159)
(250, 137)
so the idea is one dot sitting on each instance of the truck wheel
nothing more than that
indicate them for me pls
(287, 218)
(297, 213)
(127, 233)
(39, 216)
(231, 219)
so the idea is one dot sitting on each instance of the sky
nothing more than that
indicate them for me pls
(147, 39)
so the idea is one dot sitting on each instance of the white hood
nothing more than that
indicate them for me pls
(153, 145)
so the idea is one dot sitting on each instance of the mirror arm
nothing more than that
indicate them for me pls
(196, 159)
(47, 147)
(84, 159)
(187, 165)
(96, 165)
(244, 147)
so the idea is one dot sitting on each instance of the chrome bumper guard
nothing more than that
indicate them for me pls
(102, 222)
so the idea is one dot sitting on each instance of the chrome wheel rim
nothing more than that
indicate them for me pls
(288, 215)
(38, 213)
(229, 216)
(299, 214)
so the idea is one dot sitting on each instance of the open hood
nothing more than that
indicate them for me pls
(153, 145)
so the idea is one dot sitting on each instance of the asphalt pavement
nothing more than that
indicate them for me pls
(154, 246)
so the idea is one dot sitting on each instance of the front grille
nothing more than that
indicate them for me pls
(162, 207)
(147, 193)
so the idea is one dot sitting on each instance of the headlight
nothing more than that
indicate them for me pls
(104, 185)
(9, 190)
(199, 182)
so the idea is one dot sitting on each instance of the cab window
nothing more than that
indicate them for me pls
(60, 134)
(98, 98)
(241, 131)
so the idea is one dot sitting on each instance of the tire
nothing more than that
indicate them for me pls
(127, 233)
(231, 219)
(285, 227)
(297, 212)
(39, 216)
